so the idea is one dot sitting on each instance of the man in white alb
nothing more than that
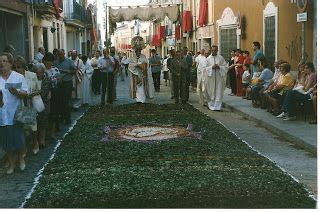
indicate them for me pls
(201, 62)
(216, 79)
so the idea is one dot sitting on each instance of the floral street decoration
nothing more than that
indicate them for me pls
(218, 171)
(149, 133)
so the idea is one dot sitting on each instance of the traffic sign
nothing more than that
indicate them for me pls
(302, 17)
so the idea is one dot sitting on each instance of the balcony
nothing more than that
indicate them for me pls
(78, 16)
(47, 7)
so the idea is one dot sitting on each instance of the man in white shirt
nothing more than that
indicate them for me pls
(216, 79)
(106, 66)
(201, 62)
(40, 54)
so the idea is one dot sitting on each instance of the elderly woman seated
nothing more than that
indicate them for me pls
(276, 94)
(305, 83)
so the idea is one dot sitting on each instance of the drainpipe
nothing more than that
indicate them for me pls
(315, 33)
(303, 39)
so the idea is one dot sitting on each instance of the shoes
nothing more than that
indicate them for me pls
(282, 115)
(35, 151)
(6, 164)
(231, 94)
(67, 122)
(290, 118)
(22, 164)
(10, 170)
(41, 146)
(172, 97)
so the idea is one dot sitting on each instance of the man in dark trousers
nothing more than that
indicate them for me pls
(106, 66)
(67, 72)
(155, 64)
(178, 67)
(189, 61)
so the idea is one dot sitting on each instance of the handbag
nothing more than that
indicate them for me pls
(25, 115)
(38, 104)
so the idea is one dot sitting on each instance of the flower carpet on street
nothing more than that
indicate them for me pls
(147, 156)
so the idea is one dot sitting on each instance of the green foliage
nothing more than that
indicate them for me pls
(219, 171)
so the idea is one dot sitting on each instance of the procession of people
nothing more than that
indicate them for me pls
(53, 81)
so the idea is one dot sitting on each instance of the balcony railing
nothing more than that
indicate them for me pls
(49, 2)
(79, 13)
(45, 3)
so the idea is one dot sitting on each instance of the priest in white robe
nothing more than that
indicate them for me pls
(216, 79)
(86, 81)
(139, 74)
(201, 62)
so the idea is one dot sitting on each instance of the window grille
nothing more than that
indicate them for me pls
(270, 39)
(228, 41)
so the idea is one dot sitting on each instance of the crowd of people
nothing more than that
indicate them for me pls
(273, 88)
(36, 98)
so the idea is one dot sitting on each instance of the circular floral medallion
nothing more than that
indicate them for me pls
(151, 133)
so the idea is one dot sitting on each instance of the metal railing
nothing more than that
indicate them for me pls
(79, 13)
(50, 2)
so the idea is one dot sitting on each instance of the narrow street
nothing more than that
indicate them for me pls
(297, 162)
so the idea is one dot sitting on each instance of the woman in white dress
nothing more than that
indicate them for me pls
(13, 88)
(33, 90)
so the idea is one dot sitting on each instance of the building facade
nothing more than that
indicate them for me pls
(48, 28)
(14, 26)
(272, 23)
(78, 26)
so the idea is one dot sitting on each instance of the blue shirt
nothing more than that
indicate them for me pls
(63, 65)
(155, 60)
(266, 76)
(256, 56)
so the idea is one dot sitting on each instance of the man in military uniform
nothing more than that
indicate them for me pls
(179, 67)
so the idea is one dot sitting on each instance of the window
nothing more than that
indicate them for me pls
(270, 39)
(270, 33)
(228, 41)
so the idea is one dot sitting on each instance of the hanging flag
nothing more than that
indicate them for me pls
(156, 41)
(178, 32)
(187, 21)
(57, 8)
(203, 12)
(161, 32)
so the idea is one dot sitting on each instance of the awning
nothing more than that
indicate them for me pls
(144, 13)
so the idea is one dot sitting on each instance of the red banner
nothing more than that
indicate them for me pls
(187, 21)
(178, 32)
(203, 12)
(156, 41)
(162, 31)
(57, 8)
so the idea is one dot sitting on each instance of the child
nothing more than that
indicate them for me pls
(245, 80)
